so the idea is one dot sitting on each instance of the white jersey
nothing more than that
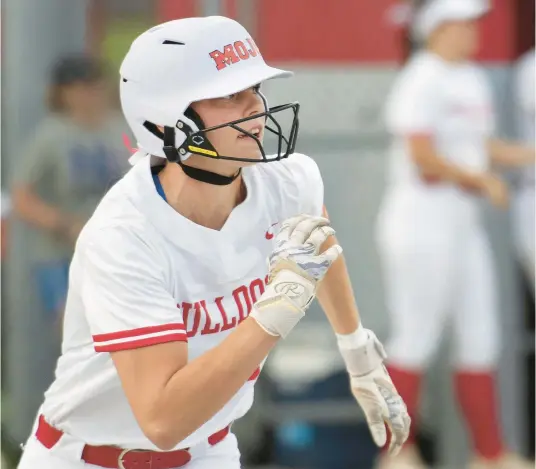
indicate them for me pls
(452, 103)
(142, 274)
(525, 105)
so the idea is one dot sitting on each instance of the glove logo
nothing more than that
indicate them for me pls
(291, 289)
(198, 139)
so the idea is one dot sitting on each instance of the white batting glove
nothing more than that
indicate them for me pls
(295, 268)
(373, 389)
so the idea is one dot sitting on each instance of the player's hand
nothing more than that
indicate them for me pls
(375, 392)
(495, 190)
(296, 266)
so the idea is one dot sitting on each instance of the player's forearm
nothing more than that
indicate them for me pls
(442, 169)
(509, 154)
(336, 296)
(200, 389)
(32, 209)
(434, 166)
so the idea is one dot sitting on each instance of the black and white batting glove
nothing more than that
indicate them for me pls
(373, 389)
(296, 266)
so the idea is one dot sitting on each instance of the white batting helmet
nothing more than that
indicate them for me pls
(174, 64)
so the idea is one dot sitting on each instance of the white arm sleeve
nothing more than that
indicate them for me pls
(124, 294)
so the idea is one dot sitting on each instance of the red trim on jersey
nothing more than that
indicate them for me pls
(47, 434)
(133, 344)
(255, 374)
(137, 332)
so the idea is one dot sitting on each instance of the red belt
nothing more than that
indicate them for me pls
(112, 457)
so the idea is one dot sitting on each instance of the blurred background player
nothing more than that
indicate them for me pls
(70, 162)
(523, 201)
(436, 260)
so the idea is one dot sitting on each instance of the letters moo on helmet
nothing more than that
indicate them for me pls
(234, 53)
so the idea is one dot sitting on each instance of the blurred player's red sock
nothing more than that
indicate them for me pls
(408, 384)
(477, 396)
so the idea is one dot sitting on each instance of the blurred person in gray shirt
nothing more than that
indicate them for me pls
(74, 157)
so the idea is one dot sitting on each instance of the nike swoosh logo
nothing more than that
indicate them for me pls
(269, 233)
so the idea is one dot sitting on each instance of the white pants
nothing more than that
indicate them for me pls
(523, 210)
(224, 455)
(437, 267)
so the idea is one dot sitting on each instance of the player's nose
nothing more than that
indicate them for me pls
(254, 105)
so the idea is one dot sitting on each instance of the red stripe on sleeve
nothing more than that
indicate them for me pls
(255, 374)
(133, 344)
(137, 332)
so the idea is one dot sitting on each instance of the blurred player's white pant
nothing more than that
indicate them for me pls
(524, 221)
(437, 267)
(224, 455)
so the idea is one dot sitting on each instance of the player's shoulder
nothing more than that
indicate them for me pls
(120, 243)
(117, 219)
(294, 164)
(294, 184)
(421, 68)
(295, 171)
(421, 76)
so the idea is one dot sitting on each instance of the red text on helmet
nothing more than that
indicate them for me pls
(234, 53)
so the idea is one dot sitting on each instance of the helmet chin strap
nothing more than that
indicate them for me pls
(208, 177)
(201, 175)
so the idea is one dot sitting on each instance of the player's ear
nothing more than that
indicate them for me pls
(325, 212)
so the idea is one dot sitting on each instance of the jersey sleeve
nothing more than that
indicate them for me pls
(124, 294)
(414, 102)
(306, 175)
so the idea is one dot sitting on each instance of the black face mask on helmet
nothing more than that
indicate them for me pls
(197, 142)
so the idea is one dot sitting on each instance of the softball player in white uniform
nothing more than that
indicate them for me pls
(524, 200)
(436, 258)
(172, 308)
